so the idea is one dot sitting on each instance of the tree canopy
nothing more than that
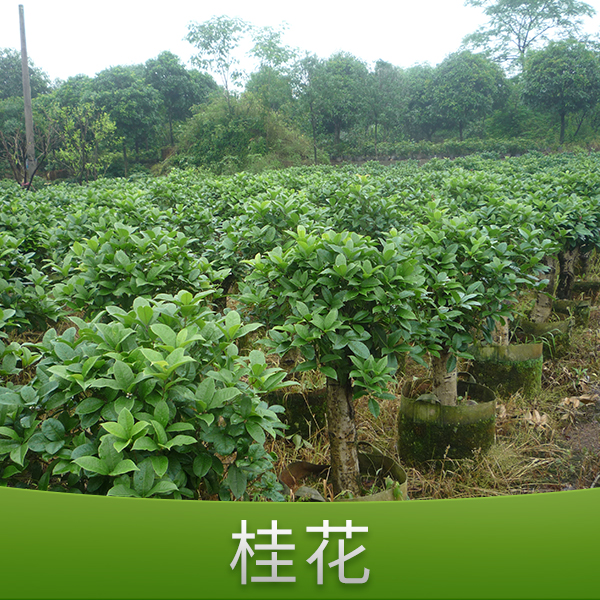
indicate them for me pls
(564, 78)
(514, 26)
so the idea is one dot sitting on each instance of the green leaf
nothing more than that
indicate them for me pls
(116, 429)
(180, 427)
(18, 454)
(237, 480)
(162, 488)
(330, 320)
(145, 443)
(53, 429)
(8, 432)
(328, 372)
(374, 407)
(160, 465)
(123, 375)
(125, 466)
(93, 464)
(222, 396)
(359, 349)
(126, 421)
(202, 464)
(180, 440)
(232, 323)
(123, 491)
(89, 406)
(160, 432)
(165, 333)
(144, 314)
(256, 431)
(143, 479)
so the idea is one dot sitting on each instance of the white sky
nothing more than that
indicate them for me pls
(68, 37)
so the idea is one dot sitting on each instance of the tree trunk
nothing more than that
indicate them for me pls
(444, 383)
(501, 334)
(337, 130)
(562, 129)
(171, 129)
(460, 130)
(543, 304)
(342, 437)
(566, 276)
(125, 165)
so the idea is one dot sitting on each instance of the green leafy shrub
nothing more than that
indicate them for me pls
(23, 288)
(124, 263)
(156, 401)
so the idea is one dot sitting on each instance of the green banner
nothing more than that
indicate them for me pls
(71, 546)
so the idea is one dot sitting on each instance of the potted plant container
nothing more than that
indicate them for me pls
(509, 369)
(430, 430)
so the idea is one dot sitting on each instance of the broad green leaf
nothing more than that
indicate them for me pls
(330, 320)
(237, 480)
(125, 466)
(180, 440)
(18, 454)
(53, 429)
(202, 464)
(160, 465)
(359, 349)
(160, 432)
(145, 443)
(116, 429)
(122, 491)
(89, 406)
(123, 375)
(93, 464)
(256, 431)
(232, 323)
(328, 371)
(162, 488)
(126, 421)
(143, 478)
(223, 396)
(165, 333)
(8, 432)
(144, 314)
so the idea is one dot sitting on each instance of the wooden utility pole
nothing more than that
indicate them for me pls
(30, 165)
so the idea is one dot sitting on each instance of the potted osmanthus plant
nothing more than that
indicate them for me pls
(469, 283)
(518, 228)
(345, 301)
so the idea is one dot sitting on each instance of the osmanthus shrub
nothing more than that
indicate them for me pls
(155, 401)
(23, 288)
(123, 263)
(345, 302)
(471, 278)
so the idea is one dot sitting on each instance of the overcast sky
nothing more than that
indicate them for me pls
(68, 37)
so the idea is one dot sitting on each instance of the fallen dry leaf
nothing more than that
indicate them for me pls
(535, 419)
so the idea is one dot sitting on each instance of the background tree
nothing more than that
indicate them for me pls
(216, 41)
(134, 106)
(272, 81)
(384, 98)
(466, 87)
(75, 90)
(178, 90)
(11, 77)
(514, 26)
(305, 91)
(89, 139)
(340, 86)
(420, 118)
(563, 78)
